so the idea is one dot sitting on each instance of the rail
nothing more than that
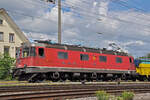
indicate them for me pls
(61, 92)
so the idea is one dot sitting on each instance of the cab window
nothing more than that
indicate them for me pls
(41, 52)
(25, 52)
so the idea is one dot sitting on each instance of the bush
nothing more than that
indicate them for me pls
(102, 95)
(6, 63)
(127, 95)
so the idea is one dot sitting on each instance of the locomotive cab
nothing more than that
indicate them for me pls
(131, 62)
(28, 58)
(25, 56)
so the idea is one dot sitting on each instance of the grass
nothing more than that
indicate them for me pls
(127, 95)
(102, 95)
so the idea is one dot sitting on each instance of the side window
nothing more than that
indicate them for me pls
(1, 36)
(6, 50)
(130, 59)
(41, 52)
(118, 60)
(102, 58)
(84, 57)
(62, 55)
(11, 37)
(1, 21)
(32, 51)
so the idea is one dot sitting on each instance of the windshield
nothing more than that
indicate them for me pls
(28, 52)
(25, 52)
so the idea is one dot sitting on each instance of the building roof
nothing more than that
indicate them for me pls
(14, 26)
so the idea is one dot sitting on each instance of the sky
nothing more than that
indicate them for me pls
(123, 22)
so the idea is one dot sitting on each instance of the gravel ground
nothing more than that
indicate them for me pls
(143, 96)
(88, 98)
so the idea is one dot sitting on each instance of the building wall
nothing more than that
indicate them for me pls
(6, 29)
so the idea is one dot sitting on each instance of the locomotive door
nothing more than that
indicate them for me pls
(41, 57)
(94, 61)
(131, 64)
(84, 60)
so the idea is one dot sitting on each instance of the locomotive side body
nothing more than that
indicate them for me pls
(55, 62)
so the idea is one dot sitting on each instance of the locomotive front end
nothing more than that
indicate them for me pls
(24, 58)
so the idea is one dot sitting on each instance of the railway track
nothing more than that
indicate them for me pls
(60, 92)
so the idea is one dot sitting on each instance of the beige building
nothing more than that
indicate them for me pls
(11, 36)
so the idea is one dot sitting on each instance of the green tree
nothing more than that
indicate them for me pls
(6, 63)
(148, 55)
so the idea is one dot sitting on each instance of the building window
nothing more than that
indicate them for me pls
(41, 52)
(1, 36)
(84, 57)
(1, 22)
(11, 37)
(62, 55)
(102, 58)
(118, 60)
(6, 49)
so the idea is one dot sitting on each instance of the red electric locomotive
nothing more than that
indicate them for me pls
(47, 61)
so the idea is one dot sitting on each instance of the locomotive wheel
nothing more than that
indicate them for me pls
(24, 77)
(94, 76)
(64, 76)
(141, 78)
(21, 78)
(104, 77)
(55, 80)
(36, 78)
(32, 81)
(148, 78)
(115, 77)
(83, 77)
(133, 79)
(56, 75)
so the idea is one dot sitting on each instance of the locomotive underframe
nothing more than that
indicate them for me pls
(34, 74)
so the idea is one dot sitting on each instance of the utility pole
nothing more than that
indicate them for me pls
(59, 21)
(59, 18)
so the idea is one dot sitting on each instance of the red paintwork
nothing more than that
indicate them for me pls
(51, 60)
